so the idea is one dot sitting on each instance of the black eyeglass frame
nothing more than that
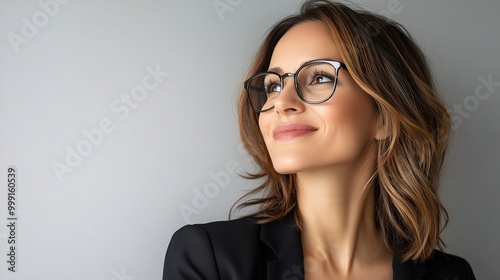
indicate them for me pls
(337, 65)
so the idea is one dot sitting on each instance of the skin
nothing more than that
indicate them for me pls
(333, 164)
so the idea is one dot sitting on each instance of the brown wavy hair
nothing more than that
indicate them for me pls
(388, 65)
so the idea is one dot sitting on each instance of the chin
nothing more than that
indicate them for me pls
(285, 171)
(285, 168)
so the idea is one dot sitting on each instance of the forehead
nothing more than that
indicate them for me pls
(304, 42)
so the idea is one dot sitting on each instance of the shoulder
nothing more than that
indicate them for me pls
(189, 256)
(212, 249)
(224, 236)
(237, 228)
(446, 266)
(220, 232)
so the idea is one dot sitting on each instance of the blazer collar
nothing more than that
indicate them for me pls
(408, 270)
(283, 239)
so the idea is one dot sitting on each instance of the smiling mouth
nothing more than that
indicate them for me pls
(291, 131)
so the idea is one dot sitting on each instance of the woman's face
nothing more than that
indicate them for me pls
(305, 137)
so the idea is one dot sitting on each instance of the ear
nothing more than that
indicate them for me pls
(382, 130)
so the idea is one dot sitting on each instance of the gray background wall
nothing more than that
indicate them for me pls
(119, 114)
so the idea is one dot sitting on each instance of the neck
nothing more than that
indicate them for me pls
(337, 213)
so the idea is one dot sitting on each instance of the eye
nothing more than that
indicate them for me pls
(321, 78)
(272, 86)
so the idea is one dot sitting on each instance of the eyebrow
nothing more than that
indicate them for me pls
(276, 69)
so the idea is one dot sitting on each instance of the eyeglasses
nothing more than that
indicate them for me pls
(314, 81)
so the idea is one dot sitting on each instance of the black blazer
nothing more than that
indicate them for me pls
(241, 249)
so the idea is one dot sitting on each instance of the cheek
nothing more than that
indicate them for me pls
(264, 122)
(353, 112)
(352, 120)
(349, 127)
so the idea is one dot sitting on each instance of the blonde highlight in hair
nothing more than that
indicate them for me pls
(388, 65)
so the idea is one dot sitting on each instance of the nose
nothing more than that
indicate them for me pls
(288, 100)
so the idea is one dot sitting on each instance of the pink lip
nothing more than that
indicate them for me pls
(292, 130)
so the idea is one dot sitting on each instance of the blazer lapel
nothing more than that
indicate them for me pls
(283, 239)
(408, 270)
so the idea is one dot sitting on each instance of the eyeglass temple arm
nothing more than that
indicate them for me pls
(250, 87)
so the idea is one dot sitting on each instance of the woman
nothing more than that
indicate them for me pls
(340, 113)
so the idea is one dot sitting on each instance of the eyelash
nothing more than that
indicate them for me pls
(270, 83)
(322, 73)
